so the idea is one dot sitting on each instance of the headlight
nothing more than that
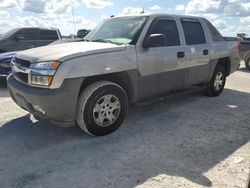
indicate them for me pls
(48, 65)
(42, 73)
(41, 80)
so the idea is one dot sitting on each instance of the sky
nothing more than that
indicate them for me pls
(229, 16)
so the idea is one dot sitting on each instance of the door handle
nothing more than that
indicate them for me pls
(180, 54)
(205, 52)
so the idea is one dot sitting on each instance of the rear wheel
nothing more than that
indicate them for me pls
(217, 83)
(247, 63)
(102, 107)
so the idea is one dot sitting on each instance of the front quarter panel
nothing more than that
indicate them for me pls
(96, 64)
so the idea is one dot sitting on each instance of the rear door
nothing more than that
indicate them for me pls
(196, 50)
(47, 37)
(28, 38)
(162, 68)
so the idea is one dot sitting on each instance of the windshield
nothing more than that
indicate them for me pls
(9, 33)
(124, 30)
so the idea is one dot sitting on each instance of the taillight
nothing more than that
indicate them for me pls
(238, 47)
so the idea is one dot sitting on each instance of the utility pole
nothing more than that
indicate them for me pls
(143, 11)
(73, 16)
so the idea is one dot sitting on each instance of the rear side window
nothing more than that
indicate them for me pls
(193, 31)
(48, 35)
(168, 28)
(216, 36)
(29, 34)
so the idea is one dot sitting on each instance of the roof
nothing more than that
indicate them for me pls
(156, 15)
(37, 28)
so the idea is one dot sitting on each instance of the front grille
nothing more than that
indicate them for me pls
(23, 77)
(22, 62)
(19, 65)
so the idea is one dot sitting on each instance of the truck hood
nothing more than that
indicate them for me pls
(7, 55)
(62, 52)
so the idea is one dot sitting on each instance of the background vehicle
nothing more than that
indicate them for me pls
(123, 61)
(5, 58)
(81, 33)
(245, 52)
(244, 48)
(25, 38)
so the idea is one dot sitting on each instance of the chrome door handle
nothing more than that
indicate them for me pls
(180, 54)
(205, 52)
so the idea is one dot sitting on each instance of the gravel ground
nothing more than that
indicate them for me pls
(186, 140)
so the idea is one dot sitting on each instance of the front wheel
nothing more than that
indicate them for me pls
(247, 63)
(217, 83)
(102, 107)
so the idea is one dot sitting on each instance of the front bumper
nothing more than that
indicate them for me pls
(59, 105)
(5, 69)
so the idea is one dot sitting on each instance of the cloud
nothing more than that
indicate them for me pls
(45, 13)
(104, 17)
(61, 21)
(245, 20)
(205, 6)
(155, 7)
(131, 10)
(229, 31)
(8, 3)
(230, 8)
(5, 25)
(81, 23)
(35, 6)
(218, 10)
(219, 23)
(4, 14)
(46, 6)
(180, 7)
(99, 4)
(30, 21)
(62, 6)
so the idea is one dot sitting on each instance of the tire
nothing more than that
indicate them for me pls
(247, 63)
(215, 86)
(101, 108)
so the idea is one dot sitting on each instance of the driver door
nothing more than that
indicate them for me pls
(162, 68)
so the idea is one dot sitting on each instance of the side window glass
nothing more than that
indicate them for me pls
(215, 34)
(168, 28)
(48, 35)
(28, 34)
(193, 31)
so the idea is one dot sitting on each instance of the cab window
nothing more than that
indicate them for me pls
(48, 35)
(28, 34)
(193, 31)
(166, 27)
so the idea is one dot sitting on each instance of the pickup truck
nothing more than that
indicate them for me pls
(124, 60)
(244, 49)
(6, 57)
(245, 52)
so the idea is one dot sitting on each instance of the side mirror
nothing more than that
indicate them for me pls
(155, 40)
(19, 37)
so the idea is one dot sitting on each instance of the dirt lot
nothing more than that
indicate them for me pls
(186, 140)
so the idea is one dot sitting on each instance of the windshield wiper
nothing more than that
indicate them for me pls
(84, 40)
(103, 40)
